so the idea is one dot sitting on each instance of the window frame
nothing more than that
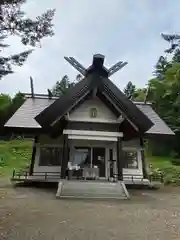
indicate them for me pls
(93, 112)
(136, 159)
(139, 158)
(40, 164)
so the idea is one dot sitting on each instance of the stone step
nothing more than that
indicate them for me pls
(89, 189)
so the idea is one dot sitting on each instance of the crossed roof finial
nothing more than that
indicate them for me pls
(97, 64)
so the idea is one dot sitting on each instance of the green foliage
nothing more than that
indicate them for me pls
(162, 166)
(175, 162)
(14, 154)
(8, 106)
(140, 94)
(61, 86)
(129, 90)
(13, 21)
(64, 84)
(161, 66)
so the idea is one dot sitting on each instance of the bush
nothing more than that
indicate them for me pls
(14, 154)
(2, 162)
(171, 175)
(174, 154)
(175, 162)
(156, 174)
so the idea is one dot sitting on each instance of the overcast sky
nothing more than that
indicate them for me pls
(127, 30)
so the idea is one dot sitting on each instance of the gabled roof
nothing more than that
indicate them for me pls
(56, 111)
(49, 114)
(159, 127)
(24, 117)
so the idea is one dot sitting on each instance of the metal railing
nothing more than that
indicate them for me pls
(22, 175)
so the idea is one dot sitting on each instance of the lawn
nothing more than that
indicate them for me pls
(14, 154)
(159, 162)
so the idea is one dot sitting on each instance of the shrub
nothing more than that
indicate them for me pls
(156, 174)
(171, 175)
(2, 162)
(175, 162)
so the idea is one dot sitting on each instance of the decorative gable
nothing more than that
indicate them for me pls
(96, 83)
(92, 110)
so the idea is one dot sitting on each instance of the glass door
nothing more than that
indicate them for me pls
(98, 160)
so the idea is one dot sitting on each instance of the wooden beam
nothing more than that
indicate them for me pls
(145, 174)
(31, 170)
(76, 65)
(119, 153)
(121, 112)
(65, 157)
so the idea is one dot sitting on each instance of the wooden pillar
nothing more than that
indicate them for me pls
(65, 157)
(145, 174)
(36, 140)
(119, 159)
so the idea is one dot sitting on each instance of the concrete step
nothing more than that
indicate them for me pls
(91, 189)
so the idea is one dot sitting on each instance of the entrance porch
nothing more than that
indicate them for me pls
(86, 154)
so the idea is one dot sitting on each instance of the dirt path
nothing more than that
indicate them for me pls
(27, 213)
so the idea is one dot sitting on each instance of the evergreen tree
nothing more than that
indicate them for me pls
(174, 40)
(129, 90)
(13, 22)
(61, 86)
(161, 67)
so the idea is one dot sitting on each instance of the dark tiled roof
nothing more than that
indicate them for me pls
(61, 106)
(24, 117)
(159, 127)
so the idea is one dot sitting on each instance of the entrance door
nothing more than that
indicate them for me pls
(98, 159)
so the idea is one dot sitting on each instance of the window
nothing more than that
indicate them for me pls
(50, 156)
(131, 159)
(93, 112)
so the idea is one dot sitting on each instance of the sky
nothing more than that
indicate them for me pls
(122, 30)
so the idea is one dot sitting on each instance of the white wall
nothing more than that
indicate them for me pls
(43, 169)
(45, 140)
(131, 145)
(82, 113)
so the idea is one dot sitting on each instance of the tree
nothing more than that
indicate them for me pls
(17, 101)
(5, 104)
(64, 84)
(13, 22)
(176, 57)
(140, 95)
(161, 67)
(61, 86)
(129, 90)
(8, 106)
(174, 40)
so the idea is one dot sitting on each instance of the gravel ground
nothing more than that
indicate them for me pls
(30, 213)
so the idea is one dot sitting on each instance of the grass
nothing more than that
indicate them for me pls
(161, 162)
(14, 154)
